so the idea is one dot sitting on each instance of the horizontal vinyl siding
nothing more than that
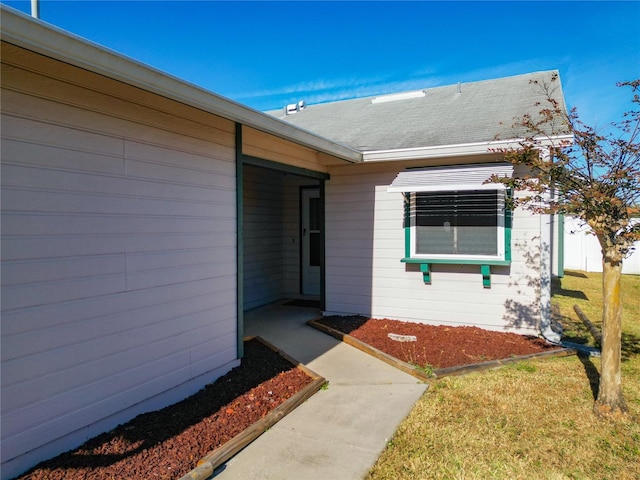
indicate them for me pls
(118, 255)
(266, 146)
(349, 237)
(365, 242)
(263, 239)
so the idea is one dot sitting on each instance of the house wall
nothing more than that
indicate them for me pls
(263, 239)
(269, 147)
(118, 254)
(364, 274)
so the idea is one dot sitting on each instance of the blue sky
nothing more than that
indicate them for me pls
(267, 54)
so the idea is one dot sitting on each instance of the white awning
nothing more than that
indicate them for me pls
(458, 177)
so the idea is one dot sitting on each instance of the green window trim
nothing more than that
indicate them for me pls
(485, 267)
(485, 270)
(485, 264)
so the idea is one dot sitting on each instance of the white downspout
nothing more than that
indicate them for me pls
(547, 255)
(545, 280)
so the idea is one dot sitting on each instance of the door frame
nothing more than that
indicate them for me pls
(303, 247)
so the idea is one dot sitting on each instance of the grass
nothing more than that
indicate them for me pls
(585, 290)
(530, 419)
(427, 369)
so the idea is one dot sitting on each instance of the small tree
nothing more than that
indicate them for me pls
(595, 177)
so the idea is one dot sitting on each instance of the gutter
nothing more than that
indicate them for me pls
(454, 150)
(35, 35)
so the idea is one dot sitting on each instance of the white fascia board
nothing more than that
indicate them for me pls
(456, 150)
(35, 35)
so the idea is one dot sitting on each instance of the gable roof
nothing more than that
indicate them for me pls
(465, 113)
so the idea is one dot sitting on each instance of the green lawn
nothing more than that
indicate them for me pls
(531, 419)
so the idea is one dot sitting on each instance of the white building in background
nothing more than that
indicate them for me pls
(582, 250)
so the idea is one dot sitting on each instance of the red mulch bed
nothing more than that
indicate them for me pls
(167, 444)
(437, 346)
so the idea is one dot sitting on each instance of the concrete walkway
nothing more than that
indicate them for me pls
(339, 432)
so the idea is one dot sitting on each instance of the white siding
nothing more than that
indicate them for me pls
(365, 242)
(269, 147)
(118, 256)
(263, 241)
(271, 235)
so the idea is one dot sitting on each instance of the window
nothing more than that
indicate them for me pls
(314, 232)
(457, 224)
(455, 215)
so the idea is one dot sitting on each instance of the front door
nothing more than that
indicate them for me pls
(311, 244)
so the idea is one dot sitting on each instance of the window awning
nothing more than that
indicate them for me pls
(458, 177)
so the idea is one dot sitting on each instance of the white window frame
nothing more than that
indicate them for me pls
(500, 234)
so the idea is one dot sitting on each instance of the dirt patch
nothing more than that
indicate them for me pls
(167, 443)
(437, 346)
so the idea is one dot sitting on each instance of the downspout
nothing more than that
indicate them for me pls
(546, 260)
(547, 257)
(239, 243)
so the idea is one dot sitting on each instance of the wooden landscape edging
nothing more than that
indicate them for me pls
(385, 357)
(476, 367)
(438, 372)
(224, 452)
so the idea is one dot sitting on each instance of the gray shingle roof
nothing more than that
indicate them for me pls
(449, 115)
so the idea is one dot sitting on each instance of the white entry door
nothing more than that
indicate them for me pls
(311, 241)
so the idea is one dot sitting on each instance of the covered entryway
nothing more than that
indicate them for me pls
(282, 233)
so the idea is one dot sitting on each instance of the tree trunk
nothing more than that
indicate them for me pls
(610, 400)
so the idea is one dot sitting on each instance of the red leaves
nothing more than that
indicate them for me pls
(586, 174)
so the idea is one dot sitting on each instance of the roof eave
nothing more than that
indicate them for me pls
(32, 34)
(456, 150)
